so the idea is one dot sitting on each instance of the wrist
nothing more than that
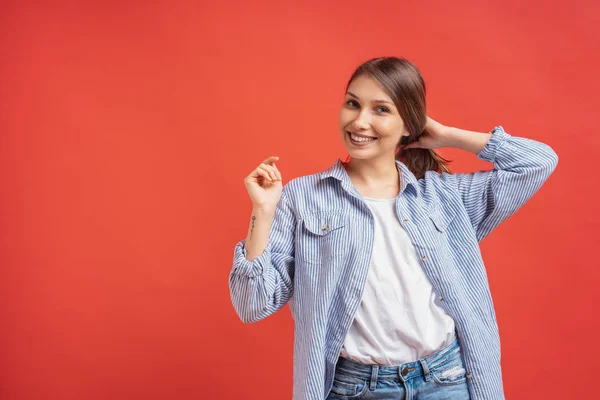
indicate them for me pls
(263, 211)
(471, 141)
(451, 137)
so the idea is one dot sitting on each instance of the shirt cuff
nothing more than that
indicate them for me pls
(241, 266)
(489, 152)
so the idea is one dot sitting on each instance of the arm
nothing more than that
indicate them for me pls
(261, 281)
(521, 166)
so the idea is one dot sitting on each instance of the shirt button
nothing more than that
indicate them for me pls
(424, 258)
(324, 227)
(469, 375)
(405, 221)
(441, 297)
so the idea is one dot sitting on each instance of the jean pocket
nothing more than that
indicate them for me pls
(348, 387)
(452, 372)
(322, 237)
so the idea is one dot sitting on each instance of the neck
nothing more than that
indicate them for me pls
(373, 172)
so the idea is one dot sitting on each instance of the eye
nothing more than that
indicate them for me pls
(351, 103)
(384, 109)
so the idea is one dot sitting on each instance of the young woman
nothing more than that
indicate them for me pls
(379, 257)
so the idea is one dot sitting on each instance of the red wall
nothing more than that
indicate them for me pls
(126, 130)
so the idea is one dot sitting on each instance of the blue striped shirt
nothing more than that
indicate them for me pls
(320, 247)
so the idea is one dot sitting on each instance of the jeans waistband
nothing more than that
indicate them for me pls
(405, 371)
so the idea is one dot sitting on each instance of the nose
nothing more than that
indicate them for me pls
(362, 120)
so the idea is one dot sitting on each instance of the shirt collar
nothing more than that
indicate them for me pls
(338, 172)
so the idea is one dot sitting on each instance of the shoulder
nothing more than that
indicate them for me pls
(438, 181)
(314, 193)
(308, 184)
(439, 190)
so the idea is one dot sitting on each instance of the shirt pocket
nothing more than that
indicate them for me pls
(322, 237)
(436, 233)
(441, 219)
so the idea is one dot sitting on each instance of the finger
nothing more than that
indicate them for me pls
(268, 173)
(264, 174)
(270, 170)
(277, 171)
(270, 160)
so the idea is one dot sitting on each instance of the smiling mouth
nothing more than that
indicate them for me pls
(360, 139)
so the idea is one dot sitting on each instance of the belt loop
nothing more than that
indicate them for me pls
(374, 372)
(426, 372)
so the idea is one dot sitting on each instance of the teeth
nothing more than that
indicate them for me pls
(361, 139)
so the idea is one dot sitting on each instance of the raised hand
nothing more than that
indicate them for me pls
(264, 184)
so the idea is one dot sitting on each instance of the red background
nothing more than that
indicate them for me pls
(126, 131)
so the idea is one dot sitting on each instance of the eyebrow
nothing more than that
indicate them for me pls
(374, 101)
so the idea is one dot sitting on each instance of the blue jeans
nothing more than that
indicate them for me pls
(438, 376)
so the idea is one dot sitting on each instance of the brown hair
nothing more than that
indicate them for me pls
(403, 82)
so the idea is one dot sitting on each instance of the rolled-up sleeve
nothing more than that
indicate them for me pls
(521, 166)
(263, 286)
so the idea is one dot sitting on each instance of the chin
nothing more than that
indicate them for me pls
(360, 155)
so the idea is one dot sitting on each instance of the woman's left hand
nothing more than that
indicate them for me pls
(434, 136)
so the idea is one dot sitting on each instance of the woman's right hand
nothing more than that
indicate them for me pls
(264, 185)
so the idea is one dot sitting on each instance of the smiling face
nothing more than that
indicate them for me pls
(370, 124)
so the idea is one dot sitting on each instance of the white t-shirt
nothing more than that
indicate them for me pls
(399, 319)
